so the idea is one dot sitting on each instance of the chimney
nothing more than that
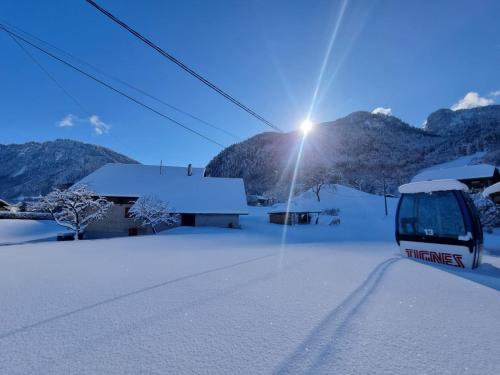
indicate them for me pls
(190, 169)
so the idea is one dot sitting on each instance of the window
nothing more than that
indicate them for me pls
(127, 214)
(437, 214)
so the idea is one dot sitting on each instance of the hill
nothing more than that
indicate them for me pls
(34, 168)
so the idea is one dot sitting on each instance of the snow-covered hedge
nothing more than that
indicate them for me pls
(25, 215)
(489, 212)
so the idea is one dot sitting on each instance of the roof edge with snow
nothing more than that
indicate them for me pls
(495, 188)
(431, 186)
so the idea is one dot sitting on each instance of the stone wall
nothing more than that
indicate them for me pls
(114, 224)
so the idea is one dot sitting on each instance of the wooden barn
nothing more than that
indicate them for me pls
(292, 215)
(199, 200)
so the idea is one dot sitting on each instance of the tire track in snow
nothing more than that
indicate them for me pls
(315, 350)
(133, 293)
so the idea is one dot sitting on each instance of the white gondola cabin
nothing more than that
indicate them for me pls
(437, 222)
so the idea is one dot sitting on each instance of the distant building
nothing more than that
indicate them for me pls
(199, 200)
(476, 177)
(493, 192)
(259, 200)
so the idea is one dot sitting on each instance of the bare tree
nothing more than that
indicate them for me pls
(74, 208)
(319, 177)
(152, 211)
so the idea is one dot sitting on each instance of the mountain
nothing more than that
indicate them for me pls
(364, 149)
(34, 168)
(469, 130)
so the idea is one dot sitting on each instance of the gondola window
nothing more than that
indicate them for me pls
(436, 214)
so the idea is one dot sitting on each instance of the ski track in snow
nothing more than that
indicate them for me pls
(130, 294)
(316, 351)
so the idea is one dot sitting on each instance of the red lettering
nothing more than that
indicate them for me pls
(437, 257)
(447, 258)
(454, 260)
(458, 260)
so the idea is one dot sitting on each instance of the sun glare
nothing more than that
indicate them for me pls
(306, 126)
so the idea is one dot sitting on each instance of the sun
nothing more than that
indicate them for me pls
(306, 126)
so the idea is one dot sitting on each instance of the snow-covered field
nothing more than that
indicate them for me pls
(333, 299)
(17, 231)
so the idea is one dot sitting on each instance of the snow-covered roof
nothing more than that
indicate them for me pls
(457, 173)
(430, 186)
(493, 189)
(185, 194)
(295, 206)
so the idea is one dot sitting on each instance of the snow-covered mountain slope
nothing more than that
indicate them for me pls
(364, 148)
(462, 161)
(33, 168)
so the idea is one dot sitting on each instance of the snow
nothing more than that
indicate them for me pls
(185, 194)
(456, 173)
(459, 162)
(333, 299)
(19, 172)
(18, 231)
(492, 242)
(492, 190)
(430, 186)
(295, 207)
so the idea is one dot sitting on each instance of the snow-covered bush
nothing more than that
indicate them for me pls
(152, 211)
(489, 212)
(25, 215)
(74, 208)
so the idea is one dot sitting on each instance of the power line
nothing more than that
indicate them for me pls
(182, 65)
(59, 85)
(51, 77)
(114, 78)
(109, 86)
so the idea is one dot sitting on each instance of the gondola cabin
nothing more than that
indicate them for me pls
(437, 222)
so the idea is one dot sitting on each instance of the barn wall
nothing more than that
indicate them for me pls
(217, 220)
(278, 218)
(496, 198)
(115, 224)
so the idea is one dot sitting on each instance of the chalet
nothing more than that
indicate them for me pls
(493, 192)
(476, 177)
(199, 200)
(295, 213)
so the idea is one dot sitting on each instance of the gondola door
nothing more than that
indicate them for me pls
(440, 227)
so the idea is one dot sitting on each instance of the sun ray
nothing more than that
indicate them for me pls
(326, 58)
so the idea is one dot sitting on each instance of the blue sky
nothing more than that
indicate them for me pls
(410, 56)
